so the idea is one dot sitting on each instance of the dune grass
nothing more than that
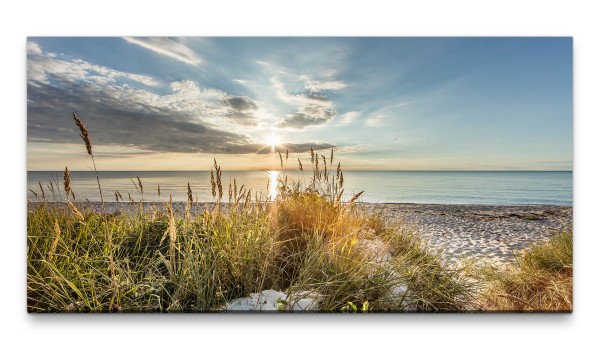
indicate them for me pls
(308, 240)
(541, 280)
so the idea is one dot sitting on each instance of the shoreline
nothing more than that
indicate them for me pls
(494, 233)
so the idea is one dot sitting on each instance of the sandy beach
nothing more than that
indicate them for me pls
(481, 232)
(484, 232)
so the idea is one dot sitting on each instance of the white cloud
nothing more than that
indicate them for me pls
(168, 47)
(42, 66)
(186, 101)
(375, 121)
(240, 81)
(33, 48)
(349, 117)
(327, 85)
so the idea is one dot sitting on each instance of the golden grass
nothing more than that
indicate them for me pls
(540, 281)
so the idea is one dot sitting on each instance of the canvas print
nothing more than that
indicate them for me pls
(348, 175)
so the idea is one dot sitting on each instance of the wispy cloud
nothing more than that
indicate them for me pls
(326, 85)
(349, 117)
(307, 116)
(376, 120)
(168, 47)
(353, 149)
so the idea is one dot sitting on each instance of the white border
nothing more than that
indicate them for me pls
(299, 18)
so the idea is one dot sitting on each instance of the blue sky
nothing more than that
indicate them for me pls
(383, 103)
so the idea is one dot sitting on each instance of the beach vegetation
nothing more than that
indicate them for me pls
(541, 279)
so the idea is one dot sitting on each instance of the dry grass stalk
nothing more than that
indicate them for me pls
(287, 154)
(355, 197)
(116, 196)
(73, 194)
(312, 156)
(140, 184)
(300, 165)
(85, 136)
(43, 193)
(339, 196)
(67, 179)
(34, 193)
(172, 234)
(280, 159)
(75, 211)
(55, 242)
(88, 145)
(248, 198)
(158, 188)
(331, 157)
(51, 188)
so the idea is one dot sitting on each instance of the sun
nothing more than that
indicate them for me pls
(273, 141)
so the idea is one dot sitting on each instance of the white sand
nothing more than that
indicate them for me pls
(481, 232)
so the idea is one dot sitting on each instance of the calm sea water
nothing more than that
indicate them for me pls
(444, 187)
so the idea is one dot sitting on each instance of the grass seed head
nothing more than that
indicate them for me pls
(67, 179)
(75, 211)
(85, 136)
(355, 197)
(213, 184)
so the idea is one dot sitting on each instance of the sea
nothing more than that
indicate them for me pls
(424, 187)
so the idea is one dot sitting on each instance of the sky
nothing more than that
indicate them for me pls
(382, 103)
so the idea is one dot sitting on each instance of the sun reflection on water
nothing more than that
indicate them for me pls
(273, 175)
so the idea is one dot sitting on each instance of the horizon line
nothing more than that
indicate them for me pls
(297, 170)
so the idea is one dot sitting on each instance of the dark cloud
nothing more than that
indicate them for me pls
(238, 109)
(316, 97)
(114, 121)
(308, 115)
(240, 103)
